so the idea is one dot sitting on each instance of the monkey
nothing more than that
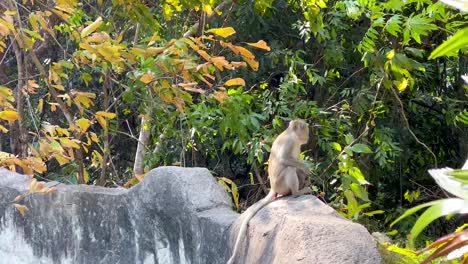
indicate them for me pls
(286, 172)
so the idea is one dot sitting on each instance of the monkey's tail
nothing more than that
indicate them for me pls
(253, 210)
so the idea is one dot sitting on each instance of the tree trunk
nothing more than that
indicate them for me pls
(18, 136)
(106, 150)
(139, 165)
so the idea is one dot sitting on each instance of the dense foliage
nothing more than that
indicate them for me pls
(99, 92)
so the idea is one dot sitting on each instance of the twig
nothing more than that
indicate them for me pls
(259, 178)
(409, 129)
(349, 77)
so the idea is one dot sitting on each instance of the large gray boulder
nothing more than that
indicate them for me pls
(175, 215)
(304, 230)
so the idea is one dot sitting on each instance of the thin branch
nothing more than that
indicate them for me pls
(18, 79)
(363, 132)
(349, 77)
(409, 129)
(259, 178)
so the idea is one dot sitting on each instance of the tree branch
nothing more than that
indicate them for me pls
(194, 29)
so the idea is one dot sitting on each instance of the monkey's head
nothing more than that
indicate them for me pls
(300, 129)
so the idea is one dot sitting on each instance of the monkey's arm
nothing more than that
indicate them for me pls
(299, 164)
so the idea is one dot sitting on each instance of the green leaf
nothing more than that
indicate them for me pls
(417, 26)
(356, 173)
(359, 191)
(452, 45)
(439, 208)
(361, 148)
(372, 213)
(412, 211)
(352, 204)
(393, 25)
(460, 174)
(33, 34)
(336, 146)
(349, 138)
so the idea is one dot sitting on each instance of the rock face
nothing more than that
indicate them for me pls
(304, 230)
(175, 215)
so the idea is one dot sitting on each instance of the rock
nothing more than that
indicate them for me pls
(175, 215)
(304, 230)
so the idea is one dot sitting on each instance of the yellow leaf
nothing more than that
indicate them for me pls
(32, 185)
(220, 96)
(94, 137)
(245, 53)
(204, 54)
(86, 176)
(208, 9)
(402, 85)
(152, 51)
(92, 27)
(18, 198)
(9, 115)
(96, 159)
(238, 64)
(37, 165)
(235, 81)
(98, 37)
(6, 24)
(10, 12)
(260, 45)
(61, 159)
(221, 63)
(40, 106)
(133, 181)
(110, 52)
(235, 195)
(30, 87)
(147, 78)
(83, 124)
(140, 176)
(39, 187)
(102, 121)
(66, 142)
(223, 184)
(391, 54)
(153, 39)
(62, 131)
(191, 87)
(6, 93)
(223, 32)
(252, 63)
(53, 106)
(3, 129)
(83, 99)
(51, 189)
(21, 208)
(106, 114)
